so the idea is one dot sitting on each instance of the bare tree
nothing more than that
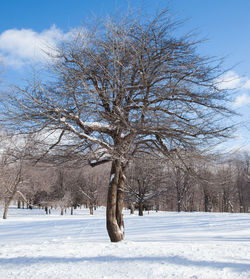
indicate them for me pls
(181, 179)
(11, 178)
(125, 86)
(242, 181)
(210, 194)
(12, 161)
(88, 187)
(145, 180)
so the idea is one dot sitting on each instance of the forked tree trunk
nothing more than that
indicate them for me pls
(114, 217)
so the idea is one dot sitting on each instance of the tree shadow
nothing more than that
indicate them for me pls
(176, 260)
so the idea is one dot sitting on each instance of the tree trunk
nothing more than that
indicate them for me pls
(140, 208)
(72, 210)
(157, 205)
(132, 208)
(6, 207)
(62, 211)
(240, 196)
(19, 203)
(91, 210)
(206, 202)
(114, 217)
(179, 201)
(179, 206)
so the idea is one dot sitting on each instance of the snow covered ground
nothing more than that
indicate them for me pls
(157, 245)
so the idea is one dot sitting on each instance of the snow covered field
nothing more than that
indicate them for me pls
(157, 245)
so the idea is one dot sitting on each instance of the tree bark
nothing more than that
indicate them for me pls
(115, 224)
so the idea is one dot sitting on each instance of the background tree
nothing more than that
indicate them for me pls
(145, 182)
(11, 178)
(88, 187)
(14, 152)
(181, 183)
(242, 180)
(121, 87)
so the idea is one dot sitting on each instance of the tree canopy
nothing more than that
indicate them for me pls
(123, 87)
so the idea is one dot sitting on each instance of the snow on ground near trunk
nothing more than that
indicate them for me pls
(157, 245)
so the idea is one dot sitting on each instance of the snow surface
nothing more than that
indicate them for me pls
(157, 245)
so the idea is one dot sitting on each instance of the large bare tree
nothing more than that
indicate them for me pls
(121, 87)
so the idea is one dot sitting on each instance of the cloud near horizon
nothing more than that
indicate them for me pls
(19, 47)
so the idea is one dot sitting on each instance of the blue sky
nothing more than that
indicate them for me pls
(25, 26)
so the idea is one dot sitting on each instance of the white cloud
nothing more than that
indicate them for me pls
(18, 47)
(232, 80)
(246, 84)
(241, 100)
